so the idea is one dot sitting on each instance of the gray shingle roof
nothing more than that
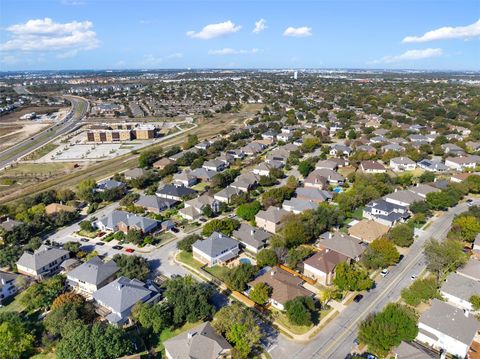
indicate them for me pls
(41, 257)
(252, 236)
(155, 202)
(201, 342)
(344, 244)
(95, 271)
(177, 191)
(214, 245)
(122, 294)
(313, 194)
(451, 321)
(460, 286)
(130, 219)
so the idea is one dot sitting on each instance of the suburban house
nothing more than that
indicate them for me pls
(271, 219)
(135, 173)
(432, 166)
(423, 189)
(194, 208)
(403, 198)
(226, 194)
(245, 182)
(201, 342)
(452, 149)
(344, 244)
(313, 194)
(400, 164)
(155, 204)
(162, 163)
(9, 224)
(175, 192)
(214, 165)
(185, 178)
(458, 289)
(471, 269)
(7, 285)
(124, 221)
(340, 150)
(263, 169)
(393, 147)
(43, 262)
(297, 205)
(54, 208)
(372, 167)
(285, 286)
(462, 163)
(321, 266)
(327, 164)
(108, 185)
(204, 145)
(203, 174)
(445, 327)
(92, 275)
(117, 298)
(251, 238)
(384, 212)
(368, 230)
(216, 249)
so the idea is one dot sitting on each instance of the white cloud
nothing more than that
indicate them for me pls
(303, 31)
(447, 32)
(72, 2)
(152, 60)
(230, 51)
(410, 55)
(47, 35)
(215, 30)
(260, 25)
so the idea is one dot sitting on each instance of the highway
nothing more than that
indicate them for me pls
(336, 340)
(78, 110)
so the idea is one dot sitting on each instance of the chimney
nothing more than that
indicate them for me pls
(190, 335)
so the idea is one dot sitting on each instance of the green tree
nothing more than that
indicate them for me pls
(422, 290)
(380, 253)
(267, 257)
(248, 211)
(260, 293)
(351, 277)
(155, 317)
(189, 300)
(186, 243)
(224, 225)
(299, 310)
(469, 227)
(133, 267)
(443, 257)
(296, 255)
(294, 232)
(41, 295)
(85, 190)
(388, 328)
(276, 196)
(16, 340)
(475, 300)
(305, 167)
(86, 226)
(401, 235)
(238, 277)
(237, 323)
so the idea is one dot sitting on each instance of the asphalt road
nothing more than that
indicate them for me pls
(335, 341)
(77, 112)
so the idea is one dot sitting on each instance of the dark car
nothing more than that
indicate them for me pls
(100, 243)
(117, 247)
(358, 298)
(174, 230)
(84, 240)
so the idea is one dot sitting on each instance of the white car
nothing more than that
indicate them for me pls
(413, 277)
(469, 202)
(384, 272)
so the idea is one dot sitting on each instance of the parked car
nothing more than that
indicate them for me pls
(84, 240)
(413, 277)
(174, 230)
(358, 298)
(117, 247)
(100, 243)
(384, 272)
(100, 234)
(129, 250)
(469, 202)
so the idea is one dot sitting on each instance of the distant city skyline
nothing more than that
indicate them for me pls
(121, 34)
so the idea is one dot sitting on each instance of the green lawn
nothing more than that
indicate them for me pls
(219, 272)
(200, 186)
(42, 151)
(87, 233)
(188, 259)
(282, 319)
(13, 306)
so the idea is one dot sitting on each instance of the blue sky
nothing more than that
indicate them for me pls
(119, 34)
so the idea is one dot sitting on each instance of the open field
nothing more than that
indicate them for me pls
(15, 132)
(206, 128)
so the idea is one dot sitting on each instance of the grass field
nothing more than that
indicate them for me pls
(13, 306)
(33, 169)
(217, 271)
(42, 151)
(282, 319)
(187, 258)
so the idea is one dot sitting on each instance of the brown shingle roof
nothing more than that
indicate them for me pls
(326, 260)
